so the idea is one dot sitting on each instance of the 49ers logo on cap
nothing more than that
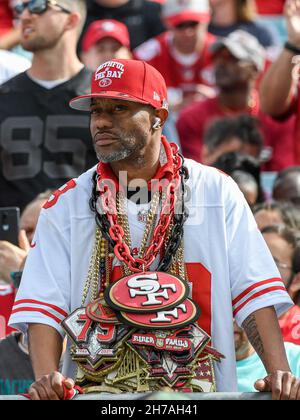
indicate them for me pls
(105, 82)
(146, 292)
(184, 314)
(108, 71)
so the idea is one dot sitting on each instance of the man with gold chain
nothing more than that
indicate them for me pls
(142, 260)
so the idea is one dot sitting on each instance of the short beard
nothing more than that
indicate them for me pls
(128, 147)
(41, 43)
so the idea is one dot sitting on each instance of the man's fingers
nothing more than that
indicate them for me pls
(69, 383)
(295, 389)
(34, 395)
(57, 380)
(277, 386)
(42, 395)
(287, 382)
(262, 386)
(45, 383)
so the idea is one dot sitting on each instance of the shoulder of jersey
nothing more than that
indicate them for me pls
(19, 82)
(198, 169)
(150, 49)
(76, 189)
(81, 82)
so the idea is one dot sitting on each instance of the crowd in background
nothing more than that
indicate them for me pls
(232, 72)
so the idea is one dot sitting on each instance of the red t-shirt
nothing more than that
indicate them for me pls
(290, 325)
(7, 297)
(194, 120)
(294, 111)
(6, 17)
(159, 53)
(270, 7)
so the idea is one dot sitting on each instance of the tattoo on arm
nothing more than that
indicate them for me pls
(253, 335)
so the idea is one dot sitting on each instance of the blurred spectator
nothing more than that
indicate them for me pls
(283, 243)
(287, 185)
(277, 213)
(7, 298)
(279, 88)
(11, 64)
(249, 365)
(248, 185)
(232, 134)
(182, 54)
(103, 41)
(16, 374)
(12, 258)
(6, 17)
(9, 34)
(246, 170)
(238, 60)
(142, 17)
(274, 7)
(270, 13)
(295, 286)
(231, 15)
(44, 143)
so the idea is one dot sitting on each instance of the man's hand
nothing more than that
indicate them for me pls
(292, 13)
(50, 387)
(12, 258)
(283, 385)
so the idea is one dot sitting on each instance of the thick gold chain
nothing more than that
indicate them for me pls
(93, 272)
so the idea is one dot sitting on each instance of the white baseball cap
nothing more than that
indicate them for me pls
(175, 12)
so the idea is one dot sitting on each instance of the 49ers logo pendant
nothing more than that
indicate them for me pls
(147, 292)
(184, 314)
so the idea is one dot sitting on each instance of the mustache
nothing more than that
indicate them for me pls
(106, 132)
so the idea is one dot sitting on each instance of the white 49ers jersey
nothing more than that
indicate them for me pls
(229, 266)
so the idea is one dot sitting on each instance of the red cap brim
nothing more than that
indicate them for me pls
(187, 16)
(83, 103)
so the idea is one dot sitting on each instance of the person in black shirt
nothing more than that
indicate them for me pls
(16, 374)
(42, 142)
(142, 17)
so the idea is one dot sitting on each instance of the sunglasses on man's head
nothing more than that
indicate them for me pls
(38, 7)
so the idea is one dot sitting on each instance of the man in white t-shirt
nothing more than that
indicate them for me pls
(76, 260)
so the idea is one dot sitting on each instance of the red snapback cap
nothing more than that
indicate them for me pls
(105, 28)
(128, 80)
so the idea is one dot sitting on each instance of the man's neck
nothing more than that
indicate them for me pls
(225, 14)
(236, 100)
(55, 64)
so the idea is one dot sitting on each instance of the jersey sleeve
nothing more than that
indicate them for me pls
(254, 277)
(44, 293)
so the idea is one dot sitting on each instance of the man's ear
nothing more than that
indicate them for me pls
(295, 286)
(161, 113)
(73, 21)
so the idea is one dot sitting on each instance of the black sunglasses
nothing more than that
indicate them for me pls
(38, 7)
(187, 24)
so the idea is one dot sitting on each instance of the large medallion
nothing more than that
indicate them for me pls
(98, 346)
(147, 292)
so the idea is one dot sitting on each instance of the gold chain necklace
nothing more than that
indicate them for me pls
(101, 252)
